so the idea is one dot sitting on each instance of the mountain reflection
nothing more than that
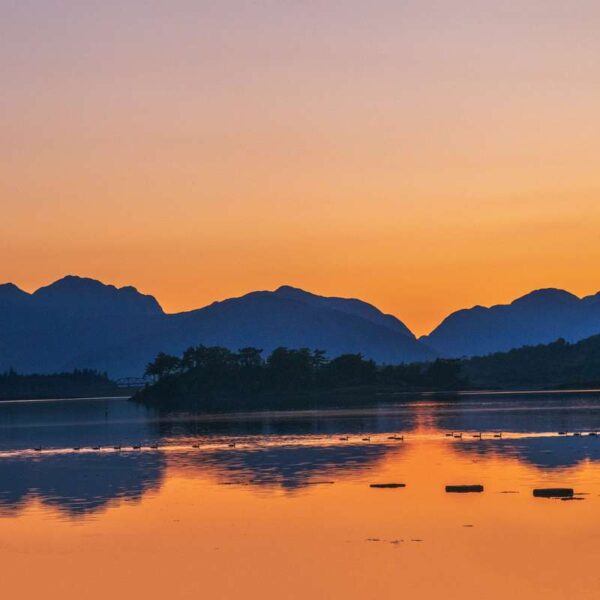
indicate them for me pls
(543, 452)
(78, 484)
(286, 451)
(286, 467)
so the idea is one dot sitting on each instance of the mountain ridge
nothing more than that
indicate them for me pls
(79, 322)
(541, 316)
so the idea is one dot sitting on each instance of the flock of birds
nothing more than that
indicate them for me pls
(395, 437)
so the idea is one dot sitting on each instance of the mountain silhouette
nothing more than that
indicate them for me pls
(82, 323)
(539, 317)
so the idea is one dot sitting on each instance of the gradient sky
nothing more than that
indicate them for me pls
(424, 156)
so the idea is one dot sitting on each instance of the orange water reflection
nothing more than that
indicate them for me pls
(223, 523)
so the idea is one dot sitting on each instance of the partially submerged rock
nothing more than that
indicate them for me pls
(388, 485)
(553, 492)
(464, 489)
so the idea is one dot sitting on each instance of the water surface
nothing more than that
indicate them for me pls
(280, 505)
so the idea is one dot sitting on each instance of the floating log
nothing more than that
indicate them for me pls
(553, 492)
(464, 489)
(387, 485)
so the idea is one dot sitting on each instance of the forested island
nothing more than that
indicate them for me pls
(75, 384)
(215, 377)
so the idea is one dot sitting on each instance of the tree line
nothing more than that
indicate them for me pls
(78, 383)
(203, 370)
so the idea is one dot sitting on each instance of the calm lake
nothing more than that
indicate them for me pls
(280, 505)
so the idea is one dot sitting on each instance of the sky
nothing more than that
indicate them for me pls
(423, 156)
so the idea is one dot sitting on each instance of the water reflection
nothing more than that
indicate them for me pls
(69, 423)
(78, 484)
(530, 413)
(543, 452)
(288, 468)
(284, 451)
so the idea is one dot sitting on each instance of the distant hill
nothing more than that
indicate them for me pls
(78, 323)
(536, 318)
(556, 365)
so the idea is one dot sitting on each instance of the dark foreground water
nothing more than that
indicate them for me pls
(104, 498)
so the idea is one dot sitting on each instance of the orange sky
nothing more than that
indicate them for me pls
(423, 156)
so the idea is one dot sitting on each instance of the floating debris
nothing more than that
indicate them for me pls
(498, 435)
(366, 439)
(562, 433)
(464, 489)
(387, 485)
(553, 492)
(38, 449)
(116, 447)
(398, 438)
(344, 438)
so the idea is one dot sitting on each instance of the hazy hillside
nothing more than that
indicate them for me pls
(82, 323)
(559, 364)
(537, 318)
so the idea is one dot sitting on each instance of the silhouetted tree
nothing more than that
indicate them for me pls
(162, 365)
